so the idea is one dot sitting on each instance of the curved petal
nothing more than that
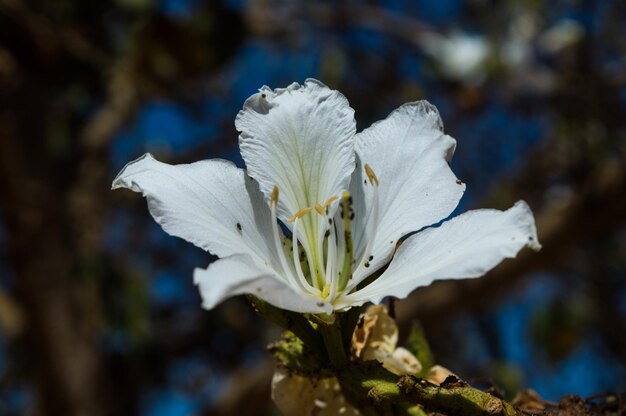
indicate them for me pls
(301, 139)
(212, 204)
(238, 274)
(467, 246)
(409, 154)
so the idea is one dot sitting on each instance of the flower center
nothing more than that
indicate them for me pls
(319, 257)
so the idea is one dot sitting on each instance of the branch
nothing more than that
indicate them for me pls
(369, 384)
(51, 38)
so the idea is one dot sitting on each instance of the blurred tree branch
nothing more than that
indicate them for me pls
(11, 316)
(49, 38)
(56, 270)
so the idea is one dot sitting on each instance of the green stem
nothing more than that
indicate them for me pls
(334, 344)
(291, 321)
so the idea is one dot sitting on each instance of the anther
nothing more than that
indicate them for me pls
(371, 175)
(320, 209)
(300, 214)
(274, 197)
(330, 201)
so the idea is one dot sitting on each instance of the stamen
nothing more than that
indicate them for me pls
(280, 249)
(346, 241)
(371, 175)
(341, 246)
(330, 201)
(274, 197)
(300, 213)
(323, 208)
(321, 236)
(296, 261)
(329, 256)
(331, 264)
(372, 220)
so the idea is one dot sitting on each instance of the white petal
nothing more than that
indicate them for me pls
(212, 204)
(467, 246)
(409, 154)
(301, 139)
(238, 274)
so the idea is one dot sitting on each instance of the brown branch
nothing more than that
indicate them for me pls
(51, 38)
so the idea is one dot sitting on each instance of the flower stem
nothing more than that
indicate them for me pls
(334, 343)
(290, 321)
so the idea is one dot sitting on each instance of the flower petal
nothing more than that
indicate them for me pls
(409, 153)
(238, 274)
(301, 139)
(467, 246)
(212, 204)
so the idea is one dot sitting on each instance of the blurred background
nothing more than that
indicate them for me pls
(98, 313)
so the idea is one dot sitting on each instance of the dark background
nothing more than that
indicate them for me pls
(98, 313)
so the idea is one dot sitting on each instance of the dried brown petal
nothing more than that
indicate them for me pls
(437, 374)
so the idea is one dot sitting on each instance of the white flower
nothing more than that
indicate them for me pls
(345, 198)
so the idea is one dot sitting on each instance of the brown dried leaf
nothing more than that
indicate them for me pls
(295, 395)
(376, 338)
(437, 374)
